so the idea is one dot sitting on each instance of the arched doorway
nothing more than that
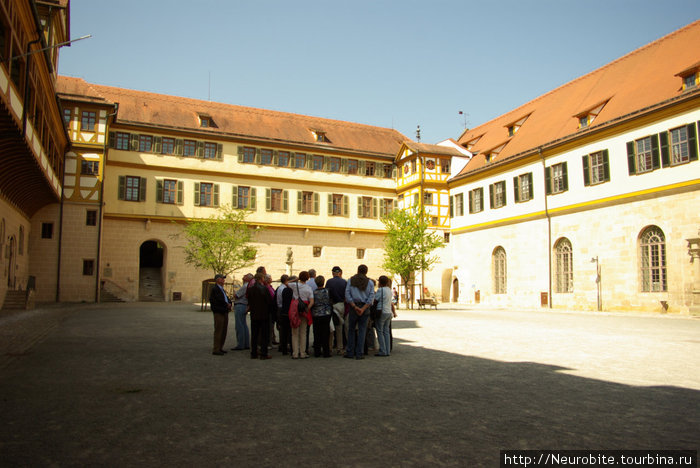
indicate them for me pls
(151, 255)
(455, 290)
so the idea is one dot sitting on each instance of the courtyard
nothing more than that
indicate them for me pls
(136, 385)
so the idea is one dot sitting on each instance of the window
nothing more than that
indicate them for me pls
(299, 160)
(386, 207)
(366, 207)
(210, 150)
(334, 165)
(643, 155)
(321, 137)
(87, 121)
(206, 194)
(352, 166)
(91, 218)
(499, 271)
(189, 148)
(67, 115)
(246, 154)
(317, 162)
(360, 254)
(266, 157)
(307, 202)
(123, 140)
(244, 198)
(132, 188)
(317, 251)
(277, 200)
(652, 252)
(596, 168)
(556, 178)
(445, 166)
(459, 204)
(283, 159)
(88, 267)
(683, 146)
(145, 143)
(427, 198)
(168, 145)
(511, 130)
(434, 220)
(20, 241)
(564, 266)
(90, 167)
(446, 237)
(206, 121)
(169, 191)
(690, 81)
(476, 200)
(497, 194)
(47, 230)
(370, 168)
(388, 171)
(522, 187)
(337, 204)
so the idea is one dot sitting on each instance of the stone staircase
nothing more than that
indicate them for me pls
(150, 285)
(15, 300)
(106, 296)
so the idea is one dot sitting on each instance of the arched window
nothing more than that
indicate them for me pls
(499, 271)
(564, 266)
(652, 259)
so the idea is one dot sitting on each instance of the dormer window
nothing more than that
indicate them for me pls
(320, 136)
(690, 77)
(206, 121)
(515, 126)
(586, 118)
(512, 130)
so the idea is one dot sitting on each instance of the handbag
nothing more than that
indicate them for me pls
(374, 312)
(301, 305)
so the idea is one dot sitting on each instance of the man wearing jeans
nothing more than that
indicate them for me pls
(240, 308)
(359, 294)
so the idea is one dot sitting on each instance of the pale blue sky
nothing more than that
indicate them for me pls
(389, 63)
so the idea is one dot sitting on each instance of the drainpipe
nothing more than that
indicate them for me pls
(549, 234)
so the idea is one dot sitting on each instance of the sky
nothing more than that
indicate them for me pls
(390, 63)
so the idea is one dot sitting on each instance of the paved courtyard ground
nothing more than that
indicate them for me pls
(136, 385)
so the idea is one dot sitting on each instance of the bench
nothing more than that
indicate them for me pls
(428, 301)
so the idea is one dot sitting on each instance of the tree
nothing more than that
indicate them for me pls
(408, 243)
(220, 243)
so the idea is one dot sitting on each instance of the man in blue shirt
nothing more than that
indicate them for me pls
(359, 294)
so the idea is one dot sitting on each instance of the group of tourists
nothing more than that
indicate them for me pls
(343, 315)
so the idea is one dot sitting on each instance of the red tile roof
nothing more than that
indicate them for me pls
(159, 110)
(640, 80)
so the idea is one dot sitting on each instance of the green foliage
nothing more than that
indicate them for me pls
(409, 243)
(220, 243)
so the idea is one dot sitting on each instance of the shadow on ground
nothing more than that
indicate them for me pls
(137, 386)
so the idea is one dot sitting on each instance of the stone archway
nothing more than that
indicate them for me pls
(151, 259)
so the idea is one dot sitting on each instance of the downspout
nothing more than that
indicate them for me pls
(549, 234)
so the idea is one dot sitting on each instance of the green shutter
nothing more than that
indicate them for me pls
(481, 199)
(503, 189)
(359, 207)
(299, 197)
(564, 176)
(631, 158)
(655, 159)
(159, 191)
(326, 163)
(548, 180)
(134, 142)
(491, 195)
(234, 197)
(121, 192)
(362, 170)
(344, 166)
(112, 142)
(586, 175)
(471, 201)
(196, 194)
(375, 208)
(316, 203)
(142, 189)
(253, 199)
(180, 192)
(275, 157)
(200, 149)
(240, 153)
(346, 205)
(663, 147)
(516, 189)
(157, 144)
(219, 151)
(178, 147)
(382, 209)
(285, 201)
(258, 155)
(268, 199)
(606, 166)
(216, 195)
(692, 142)
(330, 204)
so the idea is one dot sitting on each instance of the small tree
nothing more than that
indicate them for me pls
(408, 243)
(220, 243)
